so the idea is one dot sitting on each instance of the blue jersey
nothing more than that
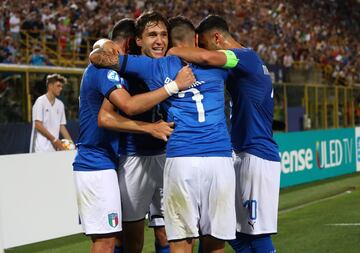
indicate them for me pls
(97, 147)
(251, 91)
(140, 144)
(198, 112)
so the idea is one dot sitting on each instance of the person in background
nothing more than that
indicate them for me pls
(49, 118)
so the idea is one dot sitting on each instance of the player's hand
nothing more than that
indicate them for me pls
(107, 46)
(58, 145)
(161, 129)
(105, 54)
(185, 78)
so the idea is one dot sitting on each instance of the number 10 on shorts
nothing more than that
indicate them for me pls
(251, 205)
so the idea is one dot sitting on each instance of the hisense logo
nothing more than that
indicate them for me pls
(333, 153)
(296, 160)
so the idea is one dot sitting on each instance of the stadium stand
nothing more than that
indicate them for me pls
(290, 34)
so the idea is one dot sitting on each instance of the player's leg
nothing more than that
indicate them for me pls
(119, 244)
(161, 242)
(156, 210)
(212, 244)
(217, 212)
(181, 202)
(99, 205)
(103, 243)
(133, 236)
(136, 197)
(181, 246)
(256, 206)
(262, 244)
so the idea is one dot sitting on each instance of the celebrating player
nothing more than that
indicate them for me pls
(96, 181)
(257, 163)
(197, 149)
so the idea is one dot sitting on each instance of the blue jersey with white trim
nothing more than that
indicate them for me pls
(198, 112)
(251, 90)
(96, 147)
(141, 144)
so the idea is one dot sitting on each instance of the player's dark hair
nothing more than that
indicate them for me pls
(55, 78)
(149, 17)
(124, 28)
(212, 22)
(180, 29)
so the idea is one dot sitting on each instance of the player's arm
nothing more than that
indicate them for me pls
(220, 58)
(133, 105)
(110, 119)
(105, 55)
(65, 133)
(54, 141)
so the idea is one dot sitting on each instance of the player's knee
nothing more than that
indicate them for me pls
(103, 244)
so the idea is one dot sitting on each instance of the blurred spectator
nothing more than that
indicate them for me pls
(15, 24)
(288, 61)
(37, 58)
(326, 30)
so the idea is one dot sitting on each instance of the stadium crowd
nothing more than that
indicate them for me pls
(324, 33)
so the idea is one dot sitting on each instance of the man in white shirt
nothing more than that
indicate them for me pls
(49, 118)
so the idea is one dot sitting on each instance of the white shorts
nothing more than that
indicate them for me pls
(199, 197)
(156, 220)
(257, 194)
(98, 197)
(141, 183)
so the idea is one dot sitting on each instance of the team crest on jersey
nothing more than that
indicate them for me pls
(113, 76)
(113, 219)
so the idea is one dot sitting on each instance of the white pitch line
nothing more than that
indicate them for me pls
(314, 202)
(344, 224)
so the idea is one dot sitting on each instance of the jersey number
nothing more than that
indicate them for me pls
(197, 98)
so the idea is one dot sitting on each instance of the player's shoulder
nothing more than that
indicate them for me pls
(97, 73)
(243, 50)
(40, 100)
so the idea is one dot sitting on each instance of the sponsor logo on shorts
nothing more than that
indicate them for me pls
(113, 219)
(252, 224)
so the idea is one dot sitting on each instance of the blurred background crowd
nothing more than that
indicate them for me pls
(323, 33)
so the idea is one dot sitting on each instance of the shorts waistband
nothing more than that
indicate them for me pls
(243, 154)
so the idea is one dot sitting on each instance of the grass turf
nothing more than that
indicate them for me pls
(305, 218)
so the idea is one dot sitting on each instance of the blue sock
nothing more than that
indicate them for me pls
(262, 244)
(241, 244)
(117, 249)
(161, 249)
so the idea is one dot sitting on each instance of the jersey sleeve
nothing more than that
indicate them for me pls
(38, 111)
(142, 67)
(247, 59)
(109, 80)
(152, 71)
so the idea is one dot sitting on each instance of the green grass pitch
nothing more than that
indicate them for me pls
(319, 217)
